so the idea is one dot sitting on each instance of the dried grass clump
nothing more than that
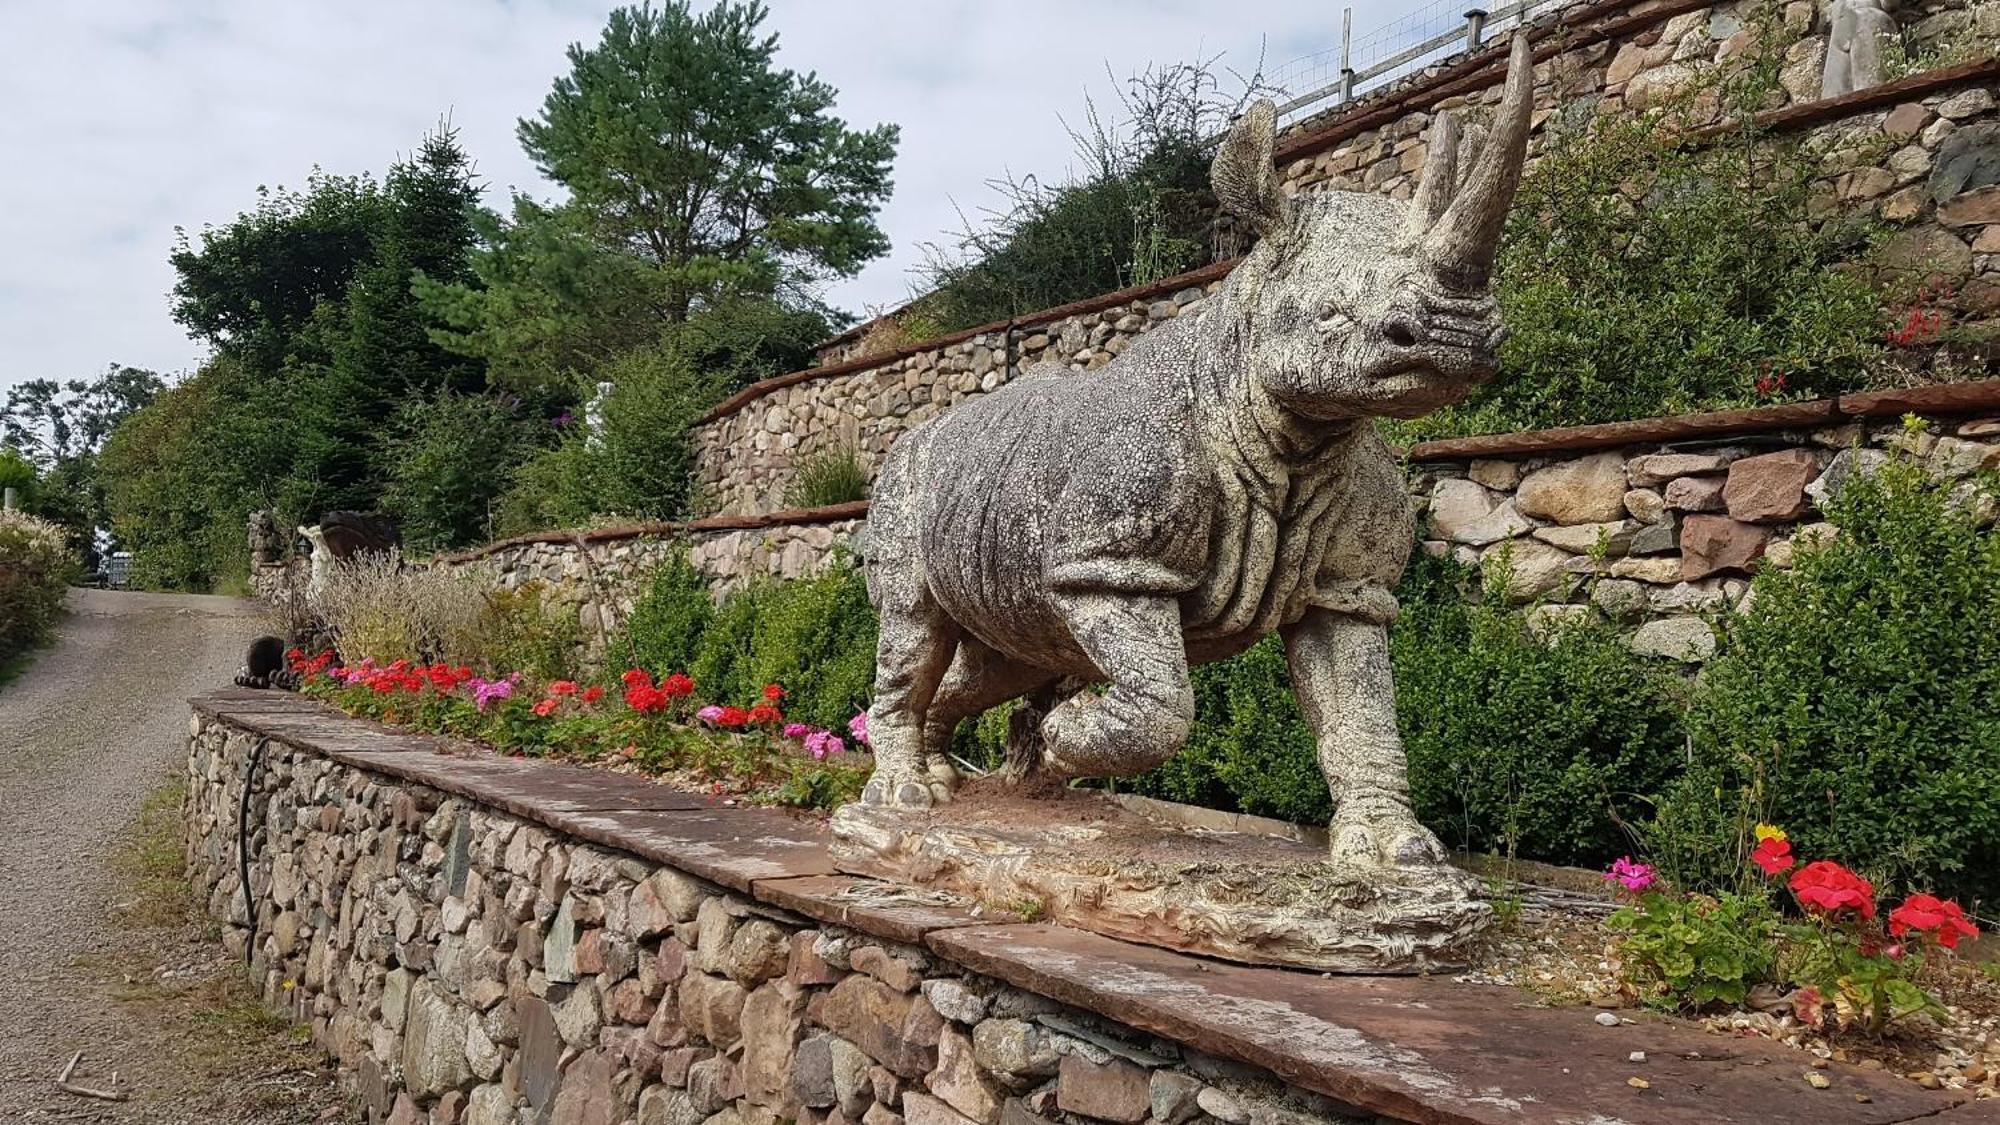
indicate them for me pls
(377, 608)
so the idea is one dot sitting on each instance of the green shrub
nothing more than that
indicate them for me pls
(1856, 703)
(1549, 751)
(831, 476)
(35, 569)
(1691, 951)
(447, 461)
(663, 632)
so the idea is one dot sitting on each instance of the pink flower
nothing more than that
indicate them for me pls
(858, 727)
(1631, 875)
(823, 743)
(709, 713)
(796, 730)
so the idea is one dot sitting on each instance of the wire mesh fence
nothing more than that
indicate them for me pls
(1379, 56)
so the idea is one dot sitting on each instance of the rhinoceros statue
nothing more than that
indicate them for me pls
(1220, 480)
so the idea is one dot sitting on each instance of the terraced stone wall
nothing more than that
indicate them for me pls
(466, 964)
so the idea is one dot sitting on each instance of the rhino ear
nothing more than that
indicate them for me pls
(1245, 182)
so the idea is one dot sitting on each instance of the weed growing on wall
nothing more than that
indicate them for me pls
(830, 476)
(1857, 700)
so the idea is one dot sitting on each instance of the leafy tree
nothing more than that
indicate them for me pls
(61, 427)
(681, 142)
(256, 287)
(451, 455)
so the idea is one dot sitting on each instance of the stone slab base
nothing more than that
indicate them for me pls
(1078, 859)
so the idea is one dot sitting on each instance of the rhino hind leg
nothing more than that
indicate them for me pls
(913, 652)
(1135, 641)
(979, 678)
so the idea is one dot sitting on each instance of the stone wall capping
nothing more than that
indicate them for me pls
(1420, 1049)
(1938, 399)
(1415, 1049)
(832, 513)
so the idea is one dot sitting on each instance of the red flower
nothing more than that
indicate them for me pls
(546, 707)
(1774, 855)
(677, 685)
(592, 694)
(1827, 887)
(563, 687)
(1929, 915)
(765, 714)
(637, 677)
(645, 697)
(773, 693)
(732, 717)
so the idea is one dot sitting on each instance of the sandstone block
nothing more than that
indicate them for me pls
(586, 1097)
(1587, 490)
(1686, 639)
(923, 1109)
(712, 1007)
(1612, 539)
(803, 965)
(896, 972)
(1530, 568)
(579, 1017)
(879, 1020)
(772, 1017)
(1464, 512)
(1696, 494)
(1113, 1090)
(434, 1044)
(1712, 544)
(1501, 476)
(1770, 488)
(1645, 505)
(959, 1081)
(758, 952)
(661, 1105)
(713, 1083)
(1656, 469)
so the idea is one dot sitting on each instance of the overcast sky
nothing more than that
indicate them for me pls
(127, 118)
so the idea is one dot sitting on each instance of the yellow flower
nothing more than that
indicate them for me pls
(1769, 832)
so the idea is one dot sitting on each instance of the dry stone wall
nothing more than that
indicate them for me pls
(746, 459)
(468, 966)
(1661, 537)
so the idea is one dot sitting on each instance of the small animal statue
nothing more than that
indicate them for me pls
(1857, 32)
(266, 547)
(264, 665)
(340, 536)
(1220, 480)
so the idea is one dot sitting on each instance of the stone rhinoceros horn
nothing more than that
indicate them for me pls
(1460, 222)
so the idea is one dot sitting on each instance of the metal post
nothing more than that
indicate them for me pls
(1475, 28)
(1346, 62)
(10, 500)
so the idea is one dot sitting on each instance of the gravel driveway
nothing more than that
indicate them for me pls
(95, 724)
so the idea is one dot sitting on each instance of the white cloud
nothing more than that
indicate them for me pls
(127, 118)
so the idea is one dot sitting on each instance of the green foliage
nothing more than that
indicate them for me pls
(684, 144)
(1545, 748)
(449, 459)
(17, 473)
(35, 569)
(1691, 951)
(1857, 701)
(831, 476)
(1140, 210)
(1250, 750)
(814, 636)
(1639, 276)
(664, 630)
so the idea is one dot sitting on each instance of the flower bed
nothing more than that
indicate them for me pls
(657, 726)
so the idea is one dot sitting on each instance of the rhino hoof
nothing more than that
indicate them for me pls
(1395, 843)
(905, 794)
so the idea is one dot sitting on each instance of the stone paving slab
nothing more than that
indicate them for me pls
(887, 910)
(1429, 1050)
(736, 847)
(239, 699)
(528, 788)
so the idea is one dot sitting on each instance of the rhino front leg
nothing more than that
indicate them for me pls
(1340, 671)
(912, 652)
(1135, 641)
